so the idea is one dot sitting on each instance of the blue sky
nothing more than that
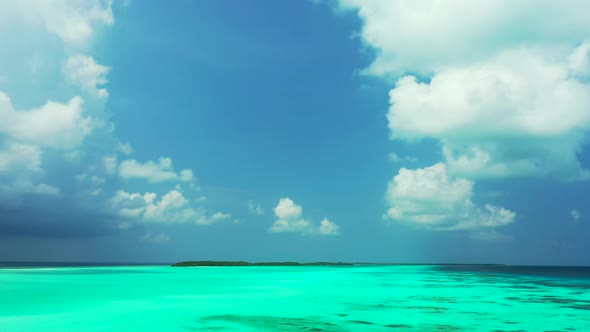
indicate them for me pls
(378, 131)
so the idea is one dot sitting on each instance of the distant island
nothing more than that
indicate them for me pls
(241, 263)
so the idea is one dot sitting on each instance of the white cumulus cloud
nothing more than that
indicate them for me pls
(505, 89)
(290, 219)
(328, 228)
(426, 36)
(395, 158)
(167, 208)
(429, 198)
(216, 217)
(172, 207)
(186, 175)
(515, 116)
(152, 171)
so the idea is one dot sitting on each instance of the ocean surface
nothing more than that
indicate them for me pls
(357, 298)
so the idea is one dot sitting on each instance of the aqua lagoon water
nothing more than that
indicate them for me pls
(358, 298)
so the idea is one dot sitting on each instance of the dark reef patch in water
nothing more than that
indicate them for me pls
(579, 306)
(438, 299)
(398, 326)
(291, 324)
(475, 313)
(564, 302)
(430, 309)
(208, 328)
(361, 322)
(440, 327)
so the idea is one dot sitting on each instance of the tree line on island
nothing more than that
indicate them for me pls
(242, 263)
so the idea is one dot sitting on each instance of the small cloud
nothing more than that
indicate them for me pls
(154, 172)
(186, 175)
(576, 215)
(255, 208)
(110, 164)
(125, 148)
(96, 192)
(216, 217)
(561, 244)
(328, 228)
(397, 159)
(46, 189)
(124, 226)
(290, 219)
(490, 236)
(155, 238)
(81, 177)
(72, 156)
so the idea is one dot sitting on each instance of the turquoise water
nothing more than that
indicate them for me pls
(366, 298)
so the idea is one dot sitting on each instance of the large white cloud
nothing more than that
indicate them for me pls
(504, 86)
(290, 219)
(428, 197)
(427, 36)
(518, 114)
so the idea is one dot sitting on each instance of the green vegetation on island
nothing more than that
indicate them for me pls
(241, 263)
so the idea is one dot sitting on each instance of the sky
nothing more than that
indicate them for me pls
(351, 130)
